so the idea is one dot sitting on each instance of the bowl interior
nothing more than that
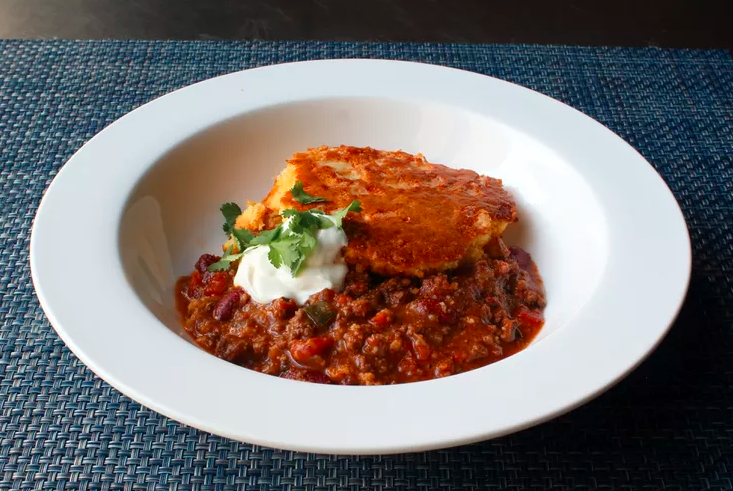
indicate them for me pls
(173, 215)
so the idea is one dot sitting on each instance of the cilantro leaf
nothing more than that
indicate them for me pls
(285, 252)
(339, 215)
(288, 246)
(302, 197)
(297, 239)
(307, 245)
(243, 237)
(309, 219)
(230, 211)
(267, 236)
(275, 258)
(324, 222)
(225, 262)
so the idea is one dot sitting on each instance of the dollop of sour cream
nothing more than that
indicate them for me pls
(324, 268)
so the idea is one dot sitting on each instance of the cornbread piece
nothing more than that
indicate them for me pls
(416, 217)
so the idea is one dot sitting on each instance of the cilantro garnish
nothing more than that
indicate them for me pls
(339, 215)
(289, 243)
(302, 197)
(267, 236)
(230, 211)
(243, 237)
(285, 252)
(306, 220)
(226, 260)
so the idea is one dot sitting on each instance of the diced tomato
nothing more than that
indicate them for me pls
(284, 308)
(421, 348)
(530, 318)
(444, 368)
(460, 356)
(193, 283)
(382, 318)
(407, 366)
(216, 283)
(303, 350)
(342, 299)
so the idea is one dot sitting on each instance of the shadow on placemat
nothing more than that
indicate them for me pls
(669, 425)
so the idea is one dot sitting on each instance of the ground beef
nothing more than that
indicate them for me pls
(381, 331)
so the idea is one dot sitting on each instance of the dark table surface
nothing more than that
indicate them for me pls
(668, 426)
(664, 23)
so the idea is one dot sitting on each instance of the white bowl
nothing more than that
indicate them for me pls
(133, 209)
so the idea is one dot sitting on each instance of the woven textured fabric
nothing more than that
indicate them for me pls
(669, 425)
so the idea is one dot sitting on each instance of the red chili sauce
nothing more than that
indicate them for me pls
(377, 330)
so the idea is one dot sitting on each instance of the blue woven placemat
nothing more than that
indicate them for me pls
(667, 426)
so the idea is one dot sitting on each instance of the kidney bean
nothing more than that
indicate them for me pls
(315, 377)
(205, 261)
(523, 259)
(224, 309)
(290, 375)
